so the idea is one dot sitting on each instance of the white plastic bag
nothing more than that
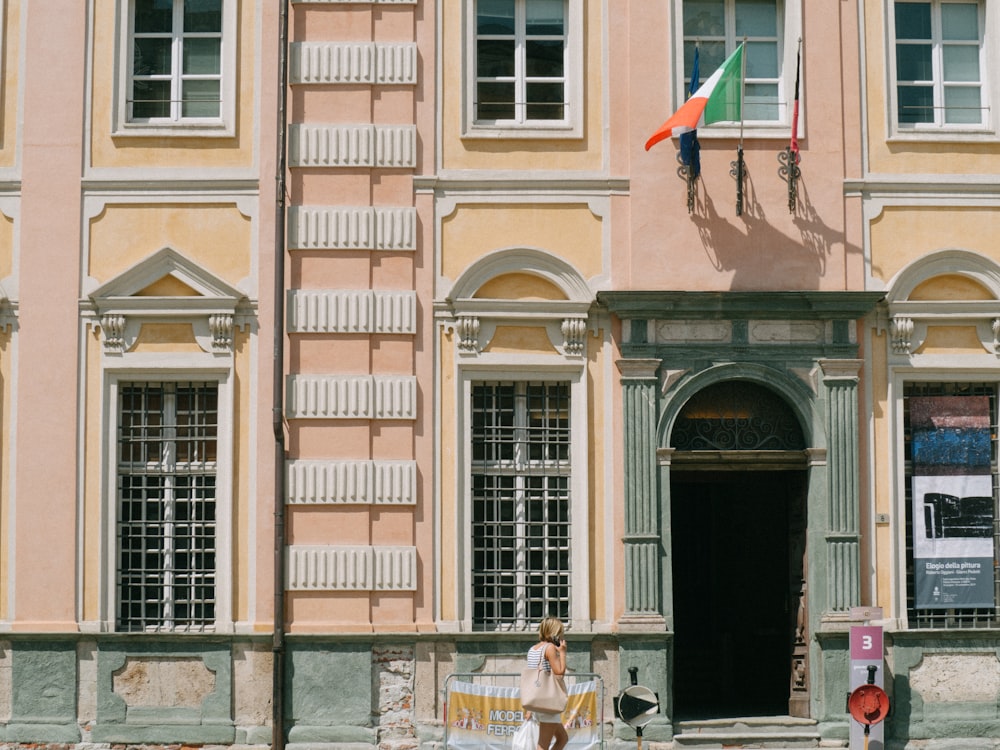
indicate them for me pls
(526, 736)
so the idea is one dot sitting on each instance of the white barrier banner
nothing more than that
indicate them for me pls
(485, 717)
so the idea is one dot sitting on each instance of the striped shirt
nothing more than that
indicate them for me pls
(536, 653)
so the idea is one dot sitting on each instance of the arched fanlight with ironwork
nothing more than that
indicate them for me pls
(737, 415)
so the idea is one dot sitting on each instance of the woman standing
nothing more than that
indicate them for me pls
(551, 652)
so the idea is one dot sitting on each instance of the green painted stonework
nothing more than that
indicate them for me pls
(43, 706)
(329, 692)
(952, 711)
(173, 716)
(800, 345)
(652, 658)
(642, 524)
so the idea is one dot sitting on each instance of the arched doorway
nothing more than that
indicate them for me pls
(738, 485)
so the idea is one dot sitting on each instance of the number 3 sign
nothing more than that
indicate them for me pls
(866, 643)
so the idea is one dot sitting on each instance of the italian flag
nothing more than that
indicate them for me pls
(720, 98)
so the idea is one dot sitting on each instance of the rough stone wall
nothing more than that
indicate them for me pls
(393, 674)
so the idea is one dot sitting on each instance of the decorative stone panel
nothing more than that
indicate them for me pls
(344, 568)
(352, 397)
(352, 311)
(147, 681)
(693, 331)
(365, 146)
(787, 331)
(161, 693)
(354, 63)
(957, 678)
(344, 482)
(352, 228)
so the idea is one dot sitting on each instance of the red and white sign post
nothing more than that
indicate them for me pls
(867, 702)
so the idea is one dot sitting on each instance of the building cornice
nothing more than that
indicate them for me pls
(784, 305)
(986, 186)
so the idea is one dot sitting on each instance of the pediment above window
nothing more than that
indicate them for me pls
(519, 288)
(167, 287)
(955, 292)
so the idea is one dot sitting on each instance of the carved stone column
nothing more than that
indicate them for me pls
(843, 536)
(643, 565)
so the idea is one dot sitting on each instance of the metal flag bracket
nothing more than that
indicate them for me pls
(738, 171)
(789, 158)
(789, 172)
(686, 173)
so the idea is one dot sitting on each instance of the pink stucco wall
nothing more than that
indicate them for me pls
(767, 248)
(44, 473)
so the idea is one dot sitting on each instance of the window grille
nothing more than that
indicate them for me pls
(979, 617)
(166, 528)
(521, 473)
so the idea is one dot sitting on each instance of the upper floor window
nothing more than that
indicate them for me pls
(178, 65)
(940, 65)
(718, 27)
(526, 71)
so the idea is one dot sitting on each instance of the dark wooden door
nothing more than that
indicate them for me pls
(738, 544)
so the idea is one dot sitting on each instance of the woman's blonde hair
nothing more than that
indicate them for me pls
(550, 628)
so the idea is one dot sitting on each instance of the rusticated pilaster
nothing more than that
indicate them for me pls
(642, 537)
(840, 378)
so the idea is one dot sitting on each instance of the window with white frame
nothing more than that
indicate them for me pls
(521, 480)
(526, 72)
(166, 519)
(717, 27)
(940, 65)
(952, 532)
(178, 60)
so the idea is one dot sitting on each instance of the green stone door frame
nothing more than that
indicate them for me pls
(801, 345)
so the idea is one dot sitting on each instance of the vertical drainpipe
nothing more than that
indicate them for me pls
(278, 641)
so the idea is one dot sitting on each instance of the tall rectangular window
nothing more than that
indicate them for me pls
(521, 61)
(167, 469)
(939, 64)
(952, 531)
(521, 478)
(176, 64)
(718, 27)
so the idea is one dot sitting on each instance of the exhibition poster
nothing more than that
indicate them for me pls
(953, 508)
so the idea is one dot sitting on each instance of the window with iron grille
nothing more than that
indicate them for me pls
(166, 498)
(521, 479)
(950, 454)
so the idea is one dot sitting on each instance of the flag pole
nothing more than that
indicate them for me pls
(790, 159)
(688, 156)
(740, 166)
(743, 85)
